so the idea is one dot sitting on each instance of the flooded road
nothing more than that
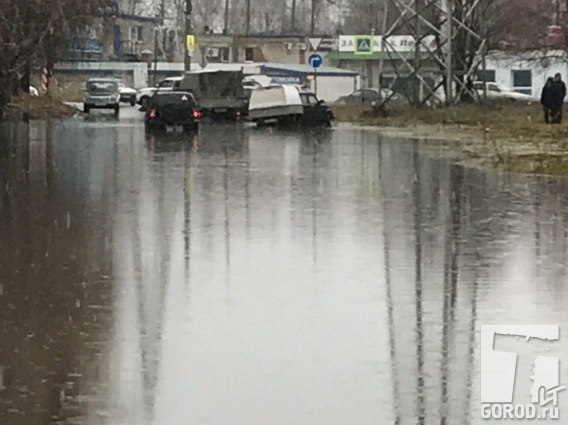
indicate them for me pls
(253, 276)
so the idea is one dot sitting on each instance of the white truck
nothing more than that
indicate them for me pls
(219, 93)
(288, 105)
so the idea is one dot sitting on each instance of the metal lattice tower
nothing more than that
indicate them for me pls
(459, 28)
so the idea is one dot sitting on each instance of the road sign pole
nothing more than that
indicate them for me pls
(315, 61)
(316, 81)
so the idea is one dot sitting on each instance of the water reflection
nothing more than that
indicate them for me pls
(53, 305)
(2, 387)
(256, 276)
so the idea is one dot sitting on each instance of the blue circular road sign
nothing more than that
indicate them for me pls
(315, 60)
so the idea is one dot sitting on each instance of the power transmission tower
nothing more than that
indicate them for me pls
(457, 26)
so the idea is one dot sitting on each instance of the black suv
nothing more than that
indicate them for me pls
(172, 109)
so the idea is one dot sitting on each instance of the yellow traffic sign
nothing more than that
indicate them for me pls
(190, 40)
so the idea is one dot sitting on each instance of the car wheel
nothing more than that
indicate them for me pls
(133, 101)
(145, 102)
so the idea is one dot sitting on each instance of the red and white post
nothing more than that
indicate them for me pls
(45, 80)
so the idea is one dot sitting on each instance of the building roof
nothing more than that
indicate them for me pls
(305, 70)
(247, 68)
(335, 56)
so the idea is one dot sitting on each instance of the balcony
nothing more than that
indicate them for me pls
(83, 50)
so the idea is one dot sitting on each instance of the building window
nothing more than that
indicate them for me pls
(522, 81)
(133, 34)
(224, 54)
(487, 76)
(249, 54)
(2, 383)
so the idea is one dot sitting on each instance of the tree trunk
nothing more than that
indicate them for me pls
(26, 78)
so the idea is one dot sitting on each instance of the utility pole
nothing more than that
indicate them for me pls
(188, 34)
(384, 34)
(226, 23)
(372, 20)
(313, 18)
(370, 76)
(565, 24)
(449, 46)
(247, 32)
(155, 56)
(293, 18)
(163, 28)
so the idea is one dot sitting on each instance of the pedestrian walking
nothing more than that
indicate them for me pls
(546, 100)
(558, 94)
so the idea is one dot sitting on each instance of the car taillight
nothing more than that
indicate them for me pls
(196, 114)
(152, 113)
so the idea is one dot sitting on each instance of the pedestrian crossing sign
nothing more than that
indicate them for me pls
(190, 41)
(364, 45)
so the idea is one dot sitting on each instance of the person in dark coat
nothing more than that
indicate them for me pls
(557, 93)
(546, 100)
(467, 94)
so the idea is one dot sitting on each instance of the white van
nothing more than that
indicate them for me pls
(287, 104)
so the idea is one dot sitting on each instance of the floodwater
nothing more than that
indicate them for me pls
(247, 276)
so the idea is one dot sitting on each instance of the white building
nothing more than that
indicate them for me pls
(525, 72)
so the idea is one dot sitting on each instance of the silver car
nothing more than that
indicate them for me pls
(101, 93)
(127, 94)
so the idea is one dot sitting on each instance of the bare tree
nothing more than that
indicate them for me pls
(208, 13)
(33, 30)
(524, 23)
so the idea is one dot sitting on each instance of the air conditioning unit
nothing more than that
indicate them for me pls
(213, 52)
(302, 46)
(289, 46)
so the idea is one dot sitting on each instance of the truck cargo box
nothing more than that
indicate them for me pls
(217, 92)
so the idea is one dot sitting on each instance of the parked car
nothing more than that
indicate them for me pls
(500, 91)
(101, 93)
(368, 97)
(288, 105)
(127, 94)
(172, 109)
(169, 84)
